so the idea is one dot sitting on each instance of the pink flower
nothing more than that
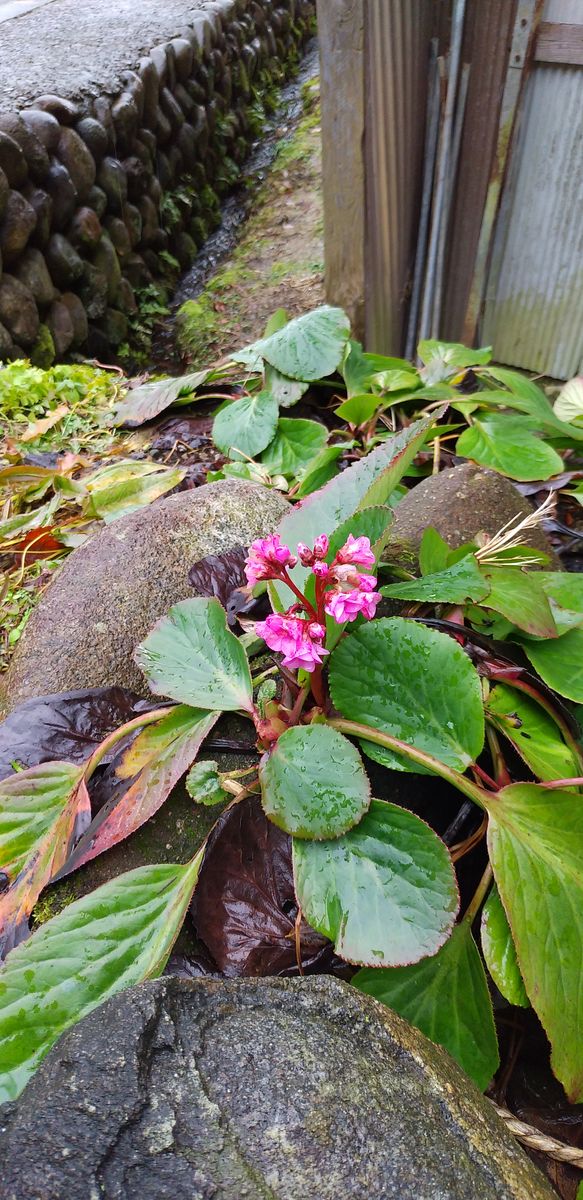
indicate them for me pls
(321, 570)
(298, 640)
(307, 556)
(346, 606)
(268, 559)
(356, 551)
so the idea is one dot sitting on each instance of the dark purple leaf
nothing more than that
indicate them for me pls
(193, 432)
(244, 907)
(219, 574)
(64, 726)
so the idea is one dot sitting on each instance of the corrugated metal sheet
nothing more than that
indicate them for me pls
(487, 38)
(396, 61)
(534, 297)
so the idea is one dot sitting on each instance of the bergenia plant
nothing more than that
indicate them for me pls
(354, 696)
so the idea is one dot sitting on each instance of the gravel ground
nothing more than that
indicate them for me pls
(77, 48)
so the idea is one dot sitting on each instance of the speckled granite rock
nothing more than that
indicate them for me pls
(279, 1089)
(110, 592)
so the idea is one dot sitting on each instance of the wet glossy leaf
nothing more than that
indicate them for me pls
(145, 402)
(247, 426)
(509, 445)
(155, 761)
(313, 783)
(374, 523)
(397, 381)
(434, 552)
(533, 732)
(447, 998)
(220, 575)
(42, 811)
(454, 585)
(500, 952)
(204, 785)
(519, 596)
(191, 656)
(560, 663)
(413, 683)
(295, 444)
(116, 936)
(307, 348)
(368, 482)
(66, 725)
(244, 908)
(384, 893)
(535, 840)
(123, 487)
(359, 368)
(285, 391)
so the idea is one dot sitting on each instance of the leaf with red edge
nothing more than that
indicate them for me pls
(42, 812)
(244, 907)
(155, 761)
(66, 726)
(38, 544)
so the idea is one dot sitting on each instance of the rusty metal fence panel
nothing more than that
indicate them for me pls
(533, 313)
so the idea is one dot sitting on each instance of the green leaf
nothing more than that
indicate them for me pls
(397, 380)
(565, 592)
(525, 395)
(191, 656)
(509, 445)
(359, 368)
(454, 585)
(145, 402)
(204, 785)
(319, 470)
(158, 758)
(434, 552)
(374, 523)
(447, 998)
(285, 391)
(116, 936)
(519, 596)
(445, 359)
(384, 893)
(276, 321)
(535, 840)
(246, 427)
(30, 803)
(569, 403)
(294, 446)
(309, 347)
(42, 811)
(123, 487)
(533, 733)
(359, 410)
(413, 683)
(500, 952)
(368, 482)
(313, 783)
(560, 663)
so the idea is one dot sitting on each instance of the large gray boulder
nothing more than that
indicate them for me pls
(461, 503)
(282, 1089)
(111, 591)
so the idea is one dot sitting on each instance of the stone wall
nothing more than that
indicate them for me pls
(99, 200)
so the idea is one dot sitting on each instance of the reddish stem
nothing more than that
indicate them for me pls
(485, 777)
(296, 591)
(317, 686)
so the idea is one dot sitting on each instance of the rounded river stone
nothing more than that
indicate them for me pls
(235, 1090)
(110, 592)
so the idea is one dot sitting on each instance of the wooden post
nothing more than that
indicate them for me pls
(342, 87)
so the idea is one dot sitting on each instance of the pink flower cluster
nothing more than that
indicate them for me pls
(342, 592)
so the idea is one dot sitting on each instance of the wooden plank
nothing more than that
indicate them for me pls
(559, 43)
(341, 26)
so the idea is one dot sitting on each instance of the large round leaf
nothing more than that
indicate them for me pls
(313, 783)
(245, 428)
(414, 684)
(447, 998)
(385, 893)
(295, 444)
(191, 656)
(309, 347)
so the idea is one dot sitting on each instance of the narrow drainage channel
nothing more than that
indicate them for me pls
(237, 206)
